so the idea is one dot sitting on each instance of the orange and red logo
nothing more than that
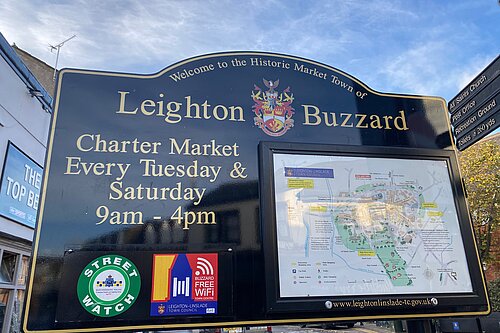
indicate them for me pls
(184, 284)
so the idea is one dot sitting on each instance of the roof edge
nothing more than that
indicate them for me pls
(15, 62)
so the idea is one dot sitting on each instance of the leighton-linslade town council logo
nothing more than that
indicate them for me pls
(108, 286)
(273, 110)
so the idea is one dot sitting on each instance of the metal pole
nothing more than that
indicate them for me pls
(58, 48)
(419, 326)
(55, 67)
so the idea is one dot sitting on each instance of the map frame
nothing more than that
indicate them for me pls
(413, 305)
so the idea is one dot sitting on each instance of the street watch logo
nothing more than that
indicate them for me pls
(108, 286)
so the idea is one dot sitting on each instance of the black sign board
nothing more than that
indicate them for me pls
(473, 112)
(247, 188)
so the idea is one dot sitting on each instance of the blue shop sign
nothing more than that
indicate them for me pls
(20, 187)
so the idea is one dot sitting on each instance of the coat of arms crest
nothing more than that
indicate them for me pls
(273, 110)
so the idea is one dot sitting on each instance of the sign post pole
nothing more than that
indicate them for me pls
(419, 326)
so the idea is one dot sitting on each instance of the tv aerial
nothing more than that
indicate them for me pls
(58, 48)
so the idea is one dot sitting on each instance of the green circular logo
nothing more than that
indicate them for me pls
(108, 286)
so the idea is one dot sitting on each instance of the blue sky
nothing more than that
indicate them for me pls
(415, 47)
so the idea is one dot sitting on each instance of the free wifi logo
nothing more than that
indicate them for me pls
(205, 276)
(203, 267)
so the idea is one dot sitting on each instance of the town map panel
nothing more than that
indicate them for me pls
(359, 226)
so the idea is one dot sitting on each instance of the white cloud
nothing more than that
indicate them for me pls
(118, 34)
(471, 70)
(419, 70)
(398, 46)
(430, 69)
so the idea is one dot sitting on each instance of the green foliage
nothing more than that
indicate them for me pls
(480, 166)
(494, 291)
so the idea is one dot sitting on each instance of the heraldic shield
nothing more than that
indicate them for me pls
(273, 110)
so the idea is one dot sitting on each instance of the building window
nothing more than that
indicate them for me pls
(4, 300)
(16, 312)
(23, 274)
(8, 267)
(14, 265)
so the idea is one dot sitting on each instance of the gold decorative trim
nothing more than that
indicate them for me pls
(48, 161)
